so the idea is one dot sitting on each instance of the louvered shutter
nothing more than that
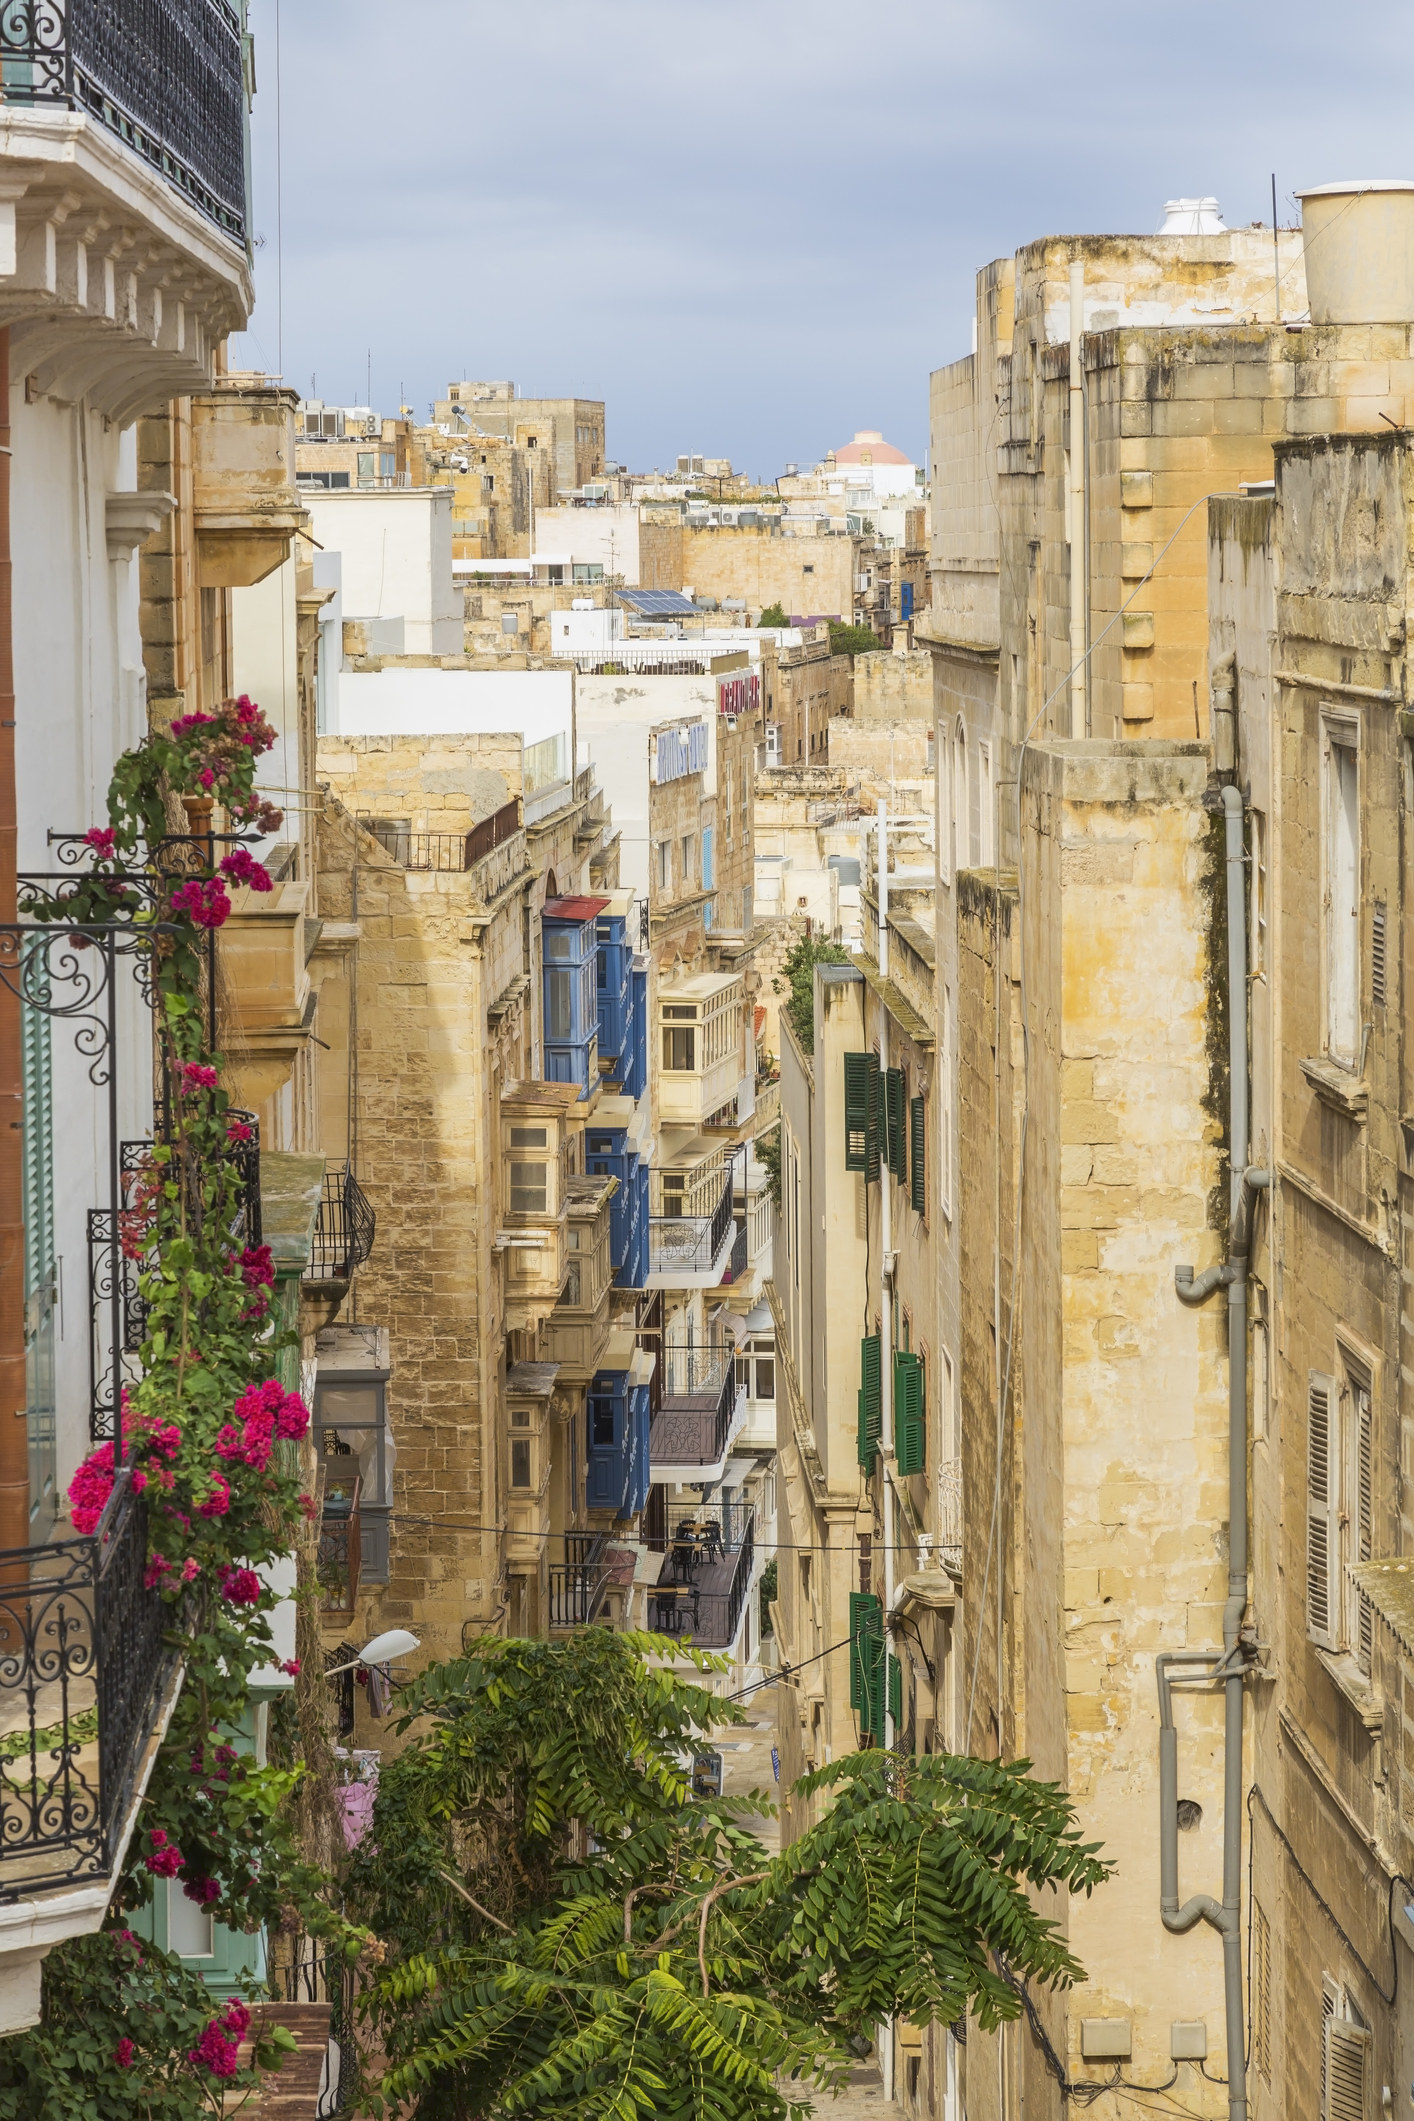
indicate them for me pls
(861, 1113)
(895, 1131)
(1261, 1992)
(895, 1694)
(1379, 954)
(1322, 1541)
(871, 1399)
(866, 1661)
(918, 1151)
(1364, 1528)
(1348, 2059)
(910, 1447)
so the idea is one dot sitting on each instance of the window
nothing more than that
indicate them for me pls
(1347, 2058)
(983, 836)
(808, 568)
(365, 467)
(530, 1138)
(510, 623)
(1257, 945)
(520, 1462)
(1340, 1508)
(689, 860)
(679, 1050)
(530, 1189)
(959, 796)
(707, 859)
(664, 864)
(766, 1376)
(387, 464)
(559, 1012)
(1341, 805)
(1261, 1992)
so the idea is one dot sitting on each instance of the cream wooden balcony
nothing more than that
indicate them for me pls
(698, 1047)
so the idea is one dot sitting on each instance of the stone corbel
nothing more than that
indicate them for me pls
(132, 518)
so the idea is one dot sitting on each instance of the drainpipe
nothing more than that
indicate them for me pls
(14, 1433)
(1229, 1664)
(1079, 558)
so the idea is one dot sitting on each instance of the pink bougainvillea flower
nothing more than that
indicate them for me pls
(257, 1267)
(228, 1440)
(291, 1667)
(207, 778)
(191, 1569)
(103, 841)
(205, 903)
(242, 868)
(308, 1507)
(123, 2053)
(240, 1586)
(238, 1131)
(215, 2052)
(139, 1481)
(218, 1502)
(156, 1569)
(293, 1417)
(196, 1075)
(185, 723)
(202, 1890)
(164, 1859)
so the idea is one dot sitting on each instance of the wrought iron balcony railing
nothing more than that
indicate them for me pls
(167, 76)
(84, 1663)
(707, 1605)
(344, 1232)
(694, 1419)
(578, 1585)
(686, 1242)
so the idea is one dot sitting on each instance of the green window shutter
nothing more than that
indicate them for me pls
(895, 1137)
(867, 1663)
(861, 1113)
(895, 1694)
(910, 1433)
(918, 1145)
(871, 1399)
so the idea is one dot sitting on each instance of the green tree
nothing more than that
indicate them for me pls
(773, 615)
(852, 640)
(798, 981)
(570, 1933)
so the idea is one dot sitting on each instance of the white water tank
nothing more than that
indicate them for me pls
(1192, 217)
(1358, 240)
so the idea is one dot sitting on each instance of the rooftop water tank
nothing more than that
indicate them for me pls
(1359, 244)
(1192, 217)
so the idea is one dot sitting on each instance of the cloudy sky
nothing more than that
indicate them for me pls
(751, 226)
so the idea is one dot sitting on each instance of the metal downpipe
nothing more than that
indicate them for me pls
(1228, 1663)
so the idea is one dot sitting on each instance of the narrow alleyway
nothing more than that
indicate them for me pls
(747, 1765)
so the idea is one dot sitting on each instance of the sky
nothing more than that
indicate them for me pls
(753, 227)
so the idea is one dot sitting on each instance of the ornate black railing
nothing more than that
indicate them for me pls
(115, 1246)
(694, 1421)
(577, 1586)
(707, 1610)
(344, 1232)
(167, 76)
(83, 1665)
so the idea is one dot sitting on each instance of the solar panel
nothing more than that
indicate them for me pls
(658, 603)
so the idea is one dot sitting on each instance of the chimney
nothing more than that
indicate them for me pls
(1358, 240)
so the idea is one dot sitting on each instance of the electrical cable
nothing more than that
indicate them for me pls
(1387, 1996)
(778, 1546)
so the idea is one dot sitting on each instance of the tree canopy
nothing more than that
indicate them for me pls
(570, 1932)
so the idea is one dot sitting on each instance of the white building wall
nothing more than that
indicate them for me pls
(607, 535)
(396, 555)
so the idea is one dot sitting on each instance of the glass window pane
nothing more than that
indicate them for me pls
(528, 1188)
(558, 1016)
(520, 1462)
